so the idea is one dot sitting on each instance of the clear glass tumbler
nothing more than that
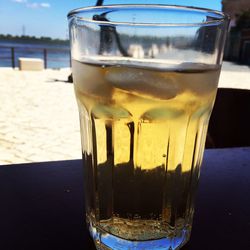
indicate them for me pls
(145, 79)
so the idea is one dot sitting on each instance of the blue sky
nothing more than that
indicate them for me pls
(48, 17)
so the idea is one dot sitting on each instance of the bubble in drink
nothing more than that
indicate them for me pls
(147, 128)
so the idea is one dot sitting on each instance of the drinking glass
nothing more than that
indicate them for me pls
(145, 79)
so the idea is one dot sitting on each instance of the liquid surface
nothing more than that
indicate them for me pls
(143, 134)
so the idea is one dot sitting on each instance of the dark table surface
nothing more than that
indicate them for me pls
(41, 205)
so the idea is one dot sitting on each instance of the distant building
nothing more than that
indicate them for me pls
(238, 43)
(235, 7)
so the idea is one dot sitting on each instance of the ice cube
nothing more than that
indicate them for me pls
(199, 78)
(162, 114)
(110, 111)
(144, 82)
(89, 79)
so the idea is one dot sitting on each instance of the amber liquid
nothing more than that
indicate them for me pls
(143, 133)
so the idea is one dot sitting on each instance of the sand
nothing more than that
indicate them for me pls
(38, 117)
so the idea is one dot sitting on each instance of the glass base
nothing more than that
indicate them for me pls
(106, 241)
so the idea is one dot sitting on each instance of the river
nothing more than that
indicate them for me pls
(58, 56)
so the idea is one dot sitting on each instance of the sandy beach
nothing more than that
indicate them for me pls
(39, 116)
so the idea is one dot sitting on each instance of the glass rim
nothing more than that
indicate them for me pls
(220, 18)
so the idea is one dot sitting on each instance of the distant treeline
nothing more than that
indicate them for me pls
(33, 39)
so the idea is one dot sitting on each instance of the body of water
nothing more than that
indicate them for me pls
(58, 56)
